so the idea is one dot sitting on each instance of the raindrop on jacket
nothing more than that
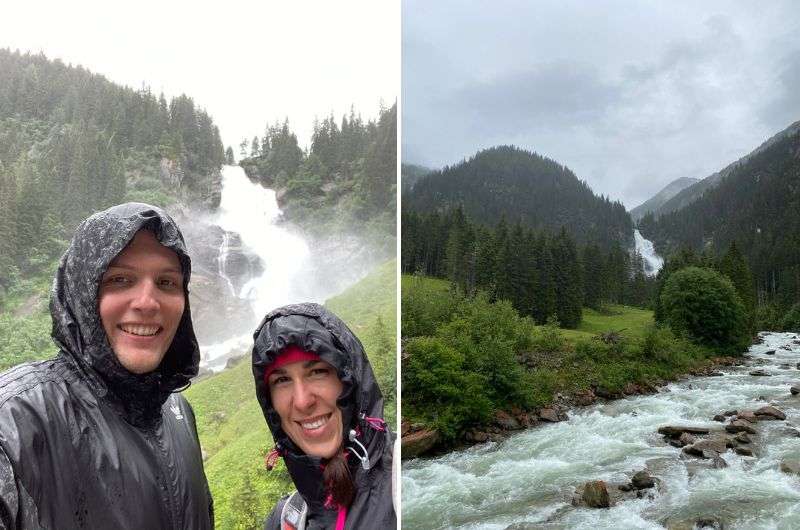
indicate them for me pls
(85, 444)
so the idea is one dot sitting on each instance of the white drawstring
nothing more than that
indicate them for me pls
(364, 459)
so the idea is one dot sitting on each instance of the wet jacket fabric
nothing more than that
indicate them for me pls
(313, 328)
(85, 444)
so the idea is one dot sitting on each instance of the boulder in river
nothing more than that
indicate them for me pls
(791, 466)
(742, 438)
(686, 439)
(794, 390)
(740, 426)
(759, 373)
(769, 352)
(642, 480)
(717, 462)
(717, 445)
(674, 431)
(747, 415)
(549, 414)
(595, 494)
(744, 451)
(418, 443)
(770, 413)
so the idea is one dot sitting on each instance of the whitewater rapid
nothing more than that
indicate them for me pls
(528, 479)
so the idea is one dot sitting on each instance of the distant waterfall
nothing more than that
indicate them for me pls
(652, 261)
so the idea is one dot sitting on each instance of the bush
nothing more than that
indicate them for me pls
(440, 388)
(791, 320)
(703, 304)
(426, 303)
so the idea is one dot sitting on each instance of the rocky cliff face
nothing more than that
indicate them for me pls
(205, 190)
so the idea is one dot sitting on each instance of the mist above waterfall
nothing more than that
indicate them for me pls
(247, 260)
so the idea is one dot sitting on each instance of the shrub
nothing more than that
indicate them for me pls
(439, 387)
(791, 320)
(704, 304)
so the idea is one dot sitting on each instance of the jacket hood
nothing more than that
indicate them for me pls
(78, 330)
(313, 328)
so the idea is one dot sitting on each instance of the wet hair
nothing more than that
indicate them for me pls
(338, 480)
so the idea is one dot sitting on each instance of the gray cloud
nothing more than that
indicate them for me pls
(630, 99)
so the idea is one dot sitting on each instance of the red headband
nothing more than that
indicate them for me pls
(291, 354)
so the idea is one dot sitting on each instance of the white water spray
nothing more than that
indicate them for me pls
(652, 261)
(251, 211)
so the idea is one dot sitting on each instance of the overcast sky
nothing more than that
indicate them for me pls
(629, 95)
(246, 63)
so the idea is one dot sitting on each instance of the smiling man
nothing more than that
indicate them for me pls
(99, 437)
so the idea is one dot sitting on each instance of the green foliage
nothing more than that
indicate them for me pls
(426, 304)
(346, 181)
(440, 386)
(791, 320)
(474, 347)
(754, 210)
(704, 304)
(541, 193)
(24, 338)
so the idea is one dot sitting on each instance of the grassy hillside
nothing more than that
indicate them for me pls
(233, 432)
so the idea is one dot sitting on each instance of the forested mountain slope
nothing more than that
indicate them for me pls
(72, 142)
(347, 180)
(757, 205)
(657, 200)
(695, 191)
(521, 186)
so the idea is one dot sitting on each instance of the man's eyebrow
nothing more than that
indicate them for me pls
(126, 266)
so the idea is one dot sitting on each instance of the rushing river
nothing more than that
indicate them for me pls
(528, 479)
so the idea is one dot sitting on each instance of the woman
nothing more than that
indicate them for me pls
(325, 410)
(98, 437)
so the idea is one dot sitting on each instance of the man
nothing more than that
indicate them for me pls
(99, 438)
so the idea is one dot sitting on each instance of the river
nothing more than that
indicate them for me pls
(528, 479)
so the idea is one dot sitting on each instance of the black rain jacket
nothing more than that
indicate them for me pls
(85, 444)
(314, 328)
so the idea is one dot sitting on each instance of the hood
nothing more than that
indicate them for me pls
(313, 328)
(78, 330)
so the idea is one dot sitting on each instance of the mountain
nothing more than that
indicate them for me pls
(410, 175)
(695, 191)
(755, 203)
(518, 185)
(657, 200)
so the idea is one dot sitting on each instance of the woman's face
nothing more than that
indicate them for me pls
(304, 394)
(141, 302)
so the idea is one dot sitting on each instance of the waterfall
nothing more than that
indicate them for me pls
(652, 261)
(249, 213)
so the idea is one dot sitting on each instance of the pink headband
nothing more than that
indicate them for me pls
(291, 354)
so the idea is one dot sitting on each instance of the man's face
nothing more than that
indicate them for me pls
(304, 394)
(141, 302)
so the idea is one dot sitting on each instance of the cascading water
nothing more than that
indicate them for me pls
(528, 479)
(250, 212)
(247, 261)
(652, 261)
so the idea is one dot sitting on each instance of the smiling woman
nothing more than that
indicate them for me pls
(322, 403)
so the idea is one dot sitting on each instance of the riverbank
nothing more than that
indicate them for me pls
(419, 440)
(545, 477)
